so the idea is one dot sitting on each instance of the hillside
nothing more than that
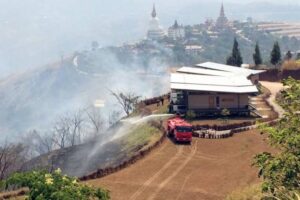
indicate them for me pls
(35, 99)
(111, 149)
(156, 56)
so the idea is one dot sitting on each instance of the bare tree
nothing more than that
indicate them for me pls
(11, 158)
(46, 143)
(95, 120)
(114, 117)
(38, 143)
(61, 132)
(77, 121)
(68, 129)
(128, 101)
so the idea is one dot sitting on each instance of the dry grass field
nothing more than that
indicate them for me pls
(208, 169)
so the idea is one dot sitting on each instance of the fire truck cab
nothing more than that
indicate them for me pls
(180, 130)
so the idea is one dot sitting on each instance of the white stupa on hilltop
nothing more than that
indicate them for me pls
(155, 32)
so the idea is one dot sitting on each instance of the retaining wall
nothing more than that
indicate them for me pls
(276, 75)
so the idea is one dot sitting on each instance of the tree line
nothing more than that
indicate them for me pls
(235, 59)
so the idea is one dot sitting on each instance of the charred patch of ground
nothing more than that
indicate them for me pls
(109, 150)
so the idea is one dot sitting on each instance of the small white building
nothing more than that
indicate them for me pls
(176, 31)
(193, 50)
(208, 88)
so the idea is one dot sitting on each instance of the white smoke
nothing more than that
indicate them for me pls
(35, 99)
(124, 128)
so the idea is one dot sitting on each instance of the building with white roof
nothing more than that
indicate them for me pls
(193, 49)
(202, 71)
(176, 31)
(208, 88)
(228, 68)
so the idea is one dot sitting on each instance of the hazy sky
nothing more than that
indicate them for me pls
(36, 32)
(273, 1)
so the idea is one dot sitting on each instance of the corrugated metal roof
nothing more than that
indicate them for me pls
(202, 71)
(228, 68)
(214, 77)
(236, 81)
(214, 88)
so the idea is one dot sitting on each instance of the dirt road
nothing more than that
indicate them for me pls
(208, 169)
(274, 88)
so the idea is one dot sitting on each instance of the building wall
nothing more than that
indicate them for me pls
(229, 101)
(176, 33)
(207, 101)
(244, 100)
(199, 101)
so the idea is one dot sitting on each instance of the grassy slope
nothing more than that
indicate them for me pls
(140, 138)
(252, 192)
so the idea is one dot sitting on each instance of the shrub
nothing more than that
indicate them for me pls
(291, 65)
(225, 113)
(55, 186)
(2, 186)
(190, 115)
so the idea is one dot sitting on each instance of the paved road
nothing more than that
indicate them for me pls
(208, 169)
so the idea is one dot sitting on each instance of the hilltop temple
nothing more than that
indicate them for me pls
(155, 31)
(176, 31)
(222, 21)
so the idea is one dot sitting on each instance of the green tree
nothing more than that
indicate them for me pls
(281, 171)
(55, 186)
(225, 113)
(235, 59)
(190, 115)
(257, 56)
(288, 55)
(276, 54)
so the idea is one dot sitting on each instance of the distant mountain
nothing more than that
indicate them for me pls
(268, 11)
(197, 12)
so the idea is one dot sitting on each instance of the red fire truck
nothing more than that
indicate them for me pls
(180, 130)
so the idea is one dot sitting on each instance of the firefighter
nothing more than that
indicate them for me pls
(171, 107)
(162, 101)
(157, 102)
